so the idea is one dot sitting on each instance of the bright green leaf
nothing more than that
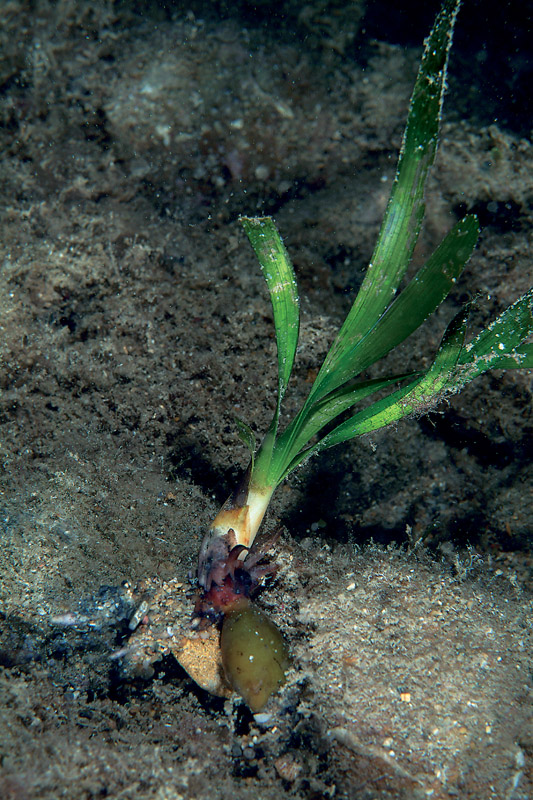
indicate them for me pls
(378, 321)
(414, 305)
(415, 398)
(494, 347)
(405, 210)
(279, 276)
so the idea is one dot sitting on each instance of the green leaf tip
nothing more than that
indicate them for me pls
(281, 281)
(405, 210)
(501, 344)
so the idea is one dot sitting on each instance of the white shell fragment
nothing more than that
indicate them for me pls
(166, 628)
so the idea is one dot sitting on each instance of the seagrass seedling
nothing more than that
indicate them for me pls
(378, 321)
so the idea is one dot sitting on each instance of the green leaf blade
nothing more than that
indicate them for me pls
(378, 321)
(495, 347)
(419, 395)
(279, 275)
(420, 298)
(405, 210)
(424, 294)
(507, 331)
(517, 359)
(411, 308)
(298, 434)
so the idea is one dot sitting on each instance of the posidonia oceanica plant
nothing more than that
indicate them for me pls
(253, 651)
